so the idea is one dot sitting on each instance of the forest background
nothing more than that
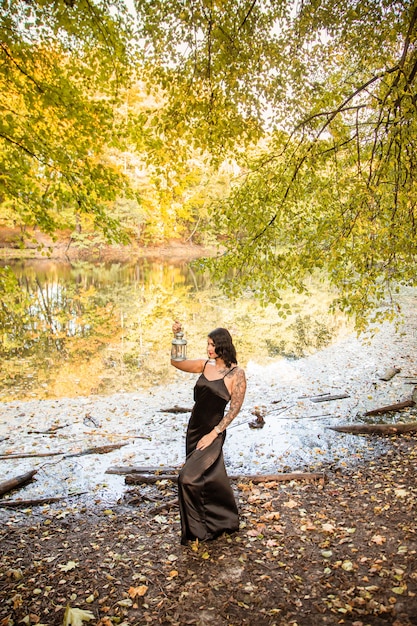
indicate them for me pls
(283, 132)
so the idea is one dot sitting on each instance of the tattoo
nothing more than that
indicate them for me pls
(236, 400)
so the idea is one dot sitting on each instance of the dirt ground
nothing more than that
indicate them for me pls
(338, 550)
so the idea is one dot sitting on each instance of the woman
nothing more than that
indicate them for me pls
(207, 503)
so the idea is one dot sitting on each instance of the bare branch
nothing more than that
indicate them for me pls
(247, 14)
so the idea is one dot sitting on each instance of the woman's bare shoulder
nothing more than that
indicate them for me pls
(237, 372)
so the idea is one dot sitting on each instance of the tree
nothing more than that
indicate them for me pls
(64, 66)
(333, 84)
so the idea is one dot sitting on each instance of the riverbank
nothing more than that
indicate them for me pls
(290, 394)
(65, 247)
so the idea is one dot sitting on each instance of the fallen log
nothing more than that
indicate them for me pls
(134, 479)
(391, 407)
(376, 429)
(16, 482)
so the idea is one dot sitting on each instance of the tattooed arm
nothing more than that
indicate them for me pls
(237, 396)
(237, 393)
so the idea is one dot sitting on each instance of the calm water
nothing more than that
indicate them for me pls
(96, 328)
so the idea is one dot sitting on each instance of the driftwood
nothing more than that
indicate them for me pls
(376, 429)
(96, 450)
(134, 479)
(164, 507)
(28, 455)
(15, 504)
(122, 470)
(391, 407)
(91, 421)
(390, 373)
(328, 397)
(176, 409)
(114, 435)
(16, 482)
(49, 431)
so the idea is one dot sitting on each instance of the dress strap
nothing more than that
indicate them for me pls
(231, 370)
(205, 365)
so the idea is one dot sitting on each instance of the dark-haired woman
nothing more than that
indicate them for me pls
(207, 504)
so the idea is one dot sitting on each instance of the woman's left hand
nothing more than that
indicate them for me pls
(206, 441)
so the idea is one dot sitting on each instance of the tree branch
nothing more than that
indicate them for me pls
(21, 70)
(252, 6)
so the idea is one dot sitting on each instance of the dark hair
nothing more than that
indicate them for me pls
(223, 343)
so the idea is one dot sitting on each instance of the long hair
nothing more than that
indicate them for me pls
(223, 343)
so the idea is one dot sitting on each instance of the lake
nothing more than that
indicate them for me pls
(81, 328)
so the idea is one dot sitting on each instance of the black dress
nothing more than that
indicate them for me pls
(207, 504)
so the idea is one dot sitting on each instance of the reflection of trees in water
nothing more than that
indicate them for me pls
(89, 328)
(46, 320)
(45, 315)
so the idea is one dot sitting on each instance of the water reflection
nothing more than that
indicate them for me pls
(85, 328)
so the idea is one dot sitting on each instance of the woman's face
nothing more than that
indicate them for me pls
(211, 349)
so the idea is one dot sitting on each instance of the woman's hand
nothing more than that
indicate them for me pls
(176, 327)
(207, 440)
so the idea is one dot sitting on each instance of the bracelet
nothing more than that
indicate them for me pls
(217, 429)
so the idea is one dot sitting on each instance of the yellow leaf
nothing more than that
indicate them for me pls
(291, 504)
(326, 554)
(68, 566)
(272, 515)
(378, 539)
(135, 592)
(328, 528)
(76, 617)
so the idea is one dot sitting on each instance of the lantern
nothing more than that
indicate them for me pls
(179, 347)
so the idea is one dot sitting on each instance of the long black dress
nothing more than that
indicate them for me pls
(207, 504)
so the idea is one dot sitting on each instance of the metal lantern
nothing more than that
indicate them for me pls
(179, 347)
